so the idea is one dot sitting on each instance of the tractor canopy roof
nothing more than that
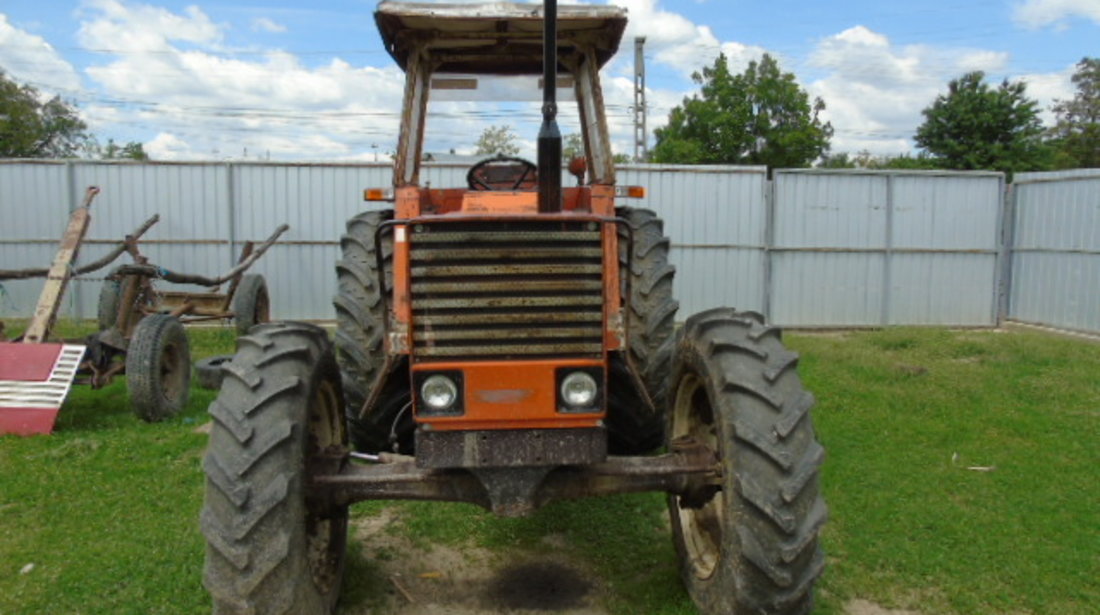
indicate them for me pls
(501, 38)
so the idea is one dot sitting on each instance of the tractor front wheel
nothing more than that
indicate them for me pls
(270, 546)
(752, 547)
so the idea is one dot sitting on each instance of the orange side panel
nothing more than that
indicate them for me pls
(603, 200)
(511, 395)
(500, 202)
(614, 333)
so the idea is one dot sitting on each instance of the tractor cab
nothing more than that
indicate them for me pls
(444, 48)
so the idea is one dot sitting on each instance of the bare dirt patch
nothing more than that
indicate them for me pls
(866, 607)
(468, 580)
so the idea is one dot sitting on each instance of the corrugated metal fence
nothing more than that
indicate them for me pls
(1056, 249)
(809, 248)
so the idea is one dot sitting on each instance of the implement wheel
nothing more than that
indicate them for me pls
(251, 305)
(158, 368)
(110, 294)
(360, 314)
(752, 547)
(278, 420)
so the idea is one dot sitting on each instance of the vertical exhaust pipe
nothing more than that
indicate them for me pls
(549, 140)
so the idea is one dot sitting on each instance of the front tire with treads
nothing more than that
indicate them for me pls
(634, 425)
(360, 350)
(752, 547)
(271, 548)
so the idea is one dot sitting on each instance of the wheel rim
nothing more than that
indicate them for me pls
(326, 524)
(171, 372)
(701, 528)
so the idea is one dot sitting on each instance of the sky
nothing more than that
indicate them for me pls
(281, 80)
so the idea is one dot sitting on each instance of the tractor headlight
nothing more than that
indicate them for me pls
(579, 390)
(438, 393)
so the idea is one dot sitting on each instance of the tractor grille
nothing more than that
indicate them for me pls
(506, 290)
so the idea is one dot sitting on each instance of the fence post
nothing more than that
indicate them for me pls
(231, 210)
(1006, 238)
(888, 253)
(75, 295)
(769, 243)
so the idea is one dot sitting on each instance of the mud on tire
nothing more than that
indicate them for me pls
(634, 426)
(270, 548)
(753, 547)
(360, 352)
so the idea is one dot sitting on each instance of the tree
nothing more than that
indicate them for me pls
(30, 128)
(131, 151)
(975, 126)
(497, 140)
(1076, 133)
(572, 146)
(759, 117)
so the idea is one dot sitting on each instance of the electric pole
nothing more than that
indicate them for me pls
(641, 150)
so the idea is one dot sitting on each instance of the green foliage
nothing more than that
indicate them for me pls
(865, 160)
(840, 160)
(1076, 135)
(131, 151)
(759, 117)
(572, 146)
(975, 126)
(497, 140)
(31, 128)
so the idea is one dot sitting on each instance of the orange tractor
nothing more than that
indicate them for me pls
(506, 344)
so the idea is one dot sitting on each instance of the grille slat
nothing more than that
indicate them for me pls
(494, 290)
(457, 252)
(489, 285)
(517, 269)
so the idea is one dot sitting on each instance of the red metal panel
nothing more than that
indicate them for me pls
(27, 421)
(28, 362)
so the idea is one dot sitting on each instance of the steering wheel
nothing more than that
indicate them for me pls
(502, 173)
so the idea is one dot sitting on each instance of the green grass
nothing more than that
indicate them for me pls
(106, 508)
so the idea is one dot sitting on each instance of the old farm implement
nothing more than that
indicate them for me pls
(140, 330)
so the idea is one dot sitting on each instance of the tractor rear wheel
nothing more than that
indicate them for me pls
(360, 350)
(752, 547)
(158, 368)
(270, 547)
(634, 426)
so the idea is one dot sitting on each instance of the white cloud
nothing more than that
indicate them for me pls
(1039, 13)
(1046, 88)
(676, 41)
(264, 24)
(125, 27)
(28, 58)
(874, 91)
(170, 73)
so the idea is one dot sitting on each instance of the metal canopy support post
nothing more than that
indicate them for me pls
(407, 160)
